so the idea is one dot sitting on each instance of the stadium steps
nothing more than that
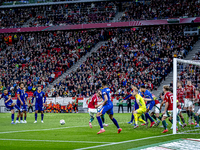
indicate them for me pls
(117, 17)
(169, 78)
(26, 24)
(76, 65)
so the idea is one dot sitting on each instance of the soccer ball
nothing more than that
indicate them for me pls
(62, 122)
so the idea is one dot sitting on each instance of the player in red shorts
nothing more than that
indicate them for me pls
(93, 105)
(168, 112)
(180, 95)
(189, 94)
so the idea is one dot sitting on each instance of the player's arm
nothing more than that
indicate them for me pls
(25, 100)
(127, 97)
(161, 104)
(44, 100)
(9, 97)
(138, 102)
(18, 96)
(96, 106)
(100, 100)
(194, 94)
(33, 98)
(105, 99)
(147, 99)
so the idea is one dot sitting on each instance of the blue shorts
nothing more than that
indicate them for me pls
(19, 104)
(150, 105)
(39, 107)
(108, 108)
(9, 107)
(24, 107)
(135, 106)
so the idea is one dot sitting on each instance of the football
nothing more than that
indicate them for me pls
(62, 122)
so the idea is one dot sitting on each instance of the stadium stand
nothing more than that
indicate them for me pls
(15, 18)
(96, 12)
(63, 14)
(39, 58)
(131, 56)
(159, 9)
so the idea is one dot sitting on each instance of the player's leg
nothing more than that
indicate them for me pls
(99, 113)
(182, 119)
(25, 113)
(76, 108)
(149, 108)
(12, 115)
(132, 117)
(190, 113)
(17, 119)
(114, 120)
(137, 113)
(21, 116)
(14, 105)
(100, 121)
(19, 112)
(164, 117)
(42, 116)
(91, 113)
(186, 107)
(197, 118)
(31, 109)
(103, 120)
(36, 112)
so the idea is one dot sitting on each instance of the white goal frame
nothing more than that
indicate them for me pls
(175, 61)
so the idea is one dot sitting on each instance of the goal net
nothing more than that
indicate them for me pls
(186, 96)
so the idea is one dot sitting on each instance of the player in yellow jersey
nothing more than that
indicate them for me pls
(142, 107)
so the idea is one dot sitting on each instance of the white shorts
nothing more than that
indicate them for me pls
(178, 111)
(155, 109)
(92, 111)
(169, 113)
(198, 112)
(187, 103)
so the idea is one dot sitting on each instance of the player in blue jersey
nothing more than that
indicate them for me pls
(9, 103)
(147, 96)
(40, 97)
(20, 102)
(107, 108)
(24, 107)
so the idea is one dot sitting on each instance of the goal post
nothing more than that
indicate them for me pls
(180, 65)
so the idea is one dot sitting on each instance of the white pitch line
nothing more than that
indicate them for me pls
(115, 143)
(56, 141)
(40, 129)
(48, 129)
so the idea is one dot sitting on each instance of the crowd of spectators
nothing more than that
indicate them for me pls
(141, 56)
(78, 13)
(16, 17)
(158, 9)
(62, 14)
(97, 12)
(39, 58)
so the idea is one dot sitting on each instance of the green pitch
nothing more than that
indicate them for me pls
(76, 134)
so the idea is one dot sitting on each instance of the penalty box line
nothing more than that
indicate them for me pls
(115, 143)
(6, 132)
(56, 141)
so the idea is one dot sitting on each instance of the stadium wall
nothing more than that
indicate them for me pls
(101, 25)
